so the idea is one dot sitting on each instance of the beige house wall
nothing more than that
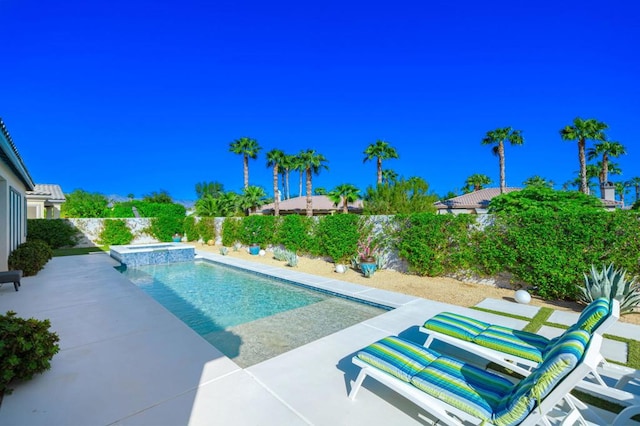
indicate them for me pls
(11, 188)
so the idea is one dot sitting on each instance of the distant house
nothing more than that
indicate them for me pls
(15, 181)
(44, 202)
(322, 205)
(476, 202)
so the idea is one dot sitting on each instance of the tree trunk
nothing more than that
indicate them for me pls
(345, 208)
(379, 170)
(246, 171)
(503, 180)
(309, 201)
(584, 188)
(276, 197)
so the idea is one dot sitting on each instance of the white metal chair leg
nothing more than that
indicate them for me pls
(356, 385)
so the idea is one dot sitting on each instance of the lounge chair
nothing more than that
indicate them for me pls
(522, 352)
(458, 393)
(11, 277)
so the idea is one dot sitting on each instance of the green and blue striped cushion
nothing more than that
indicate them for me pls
(513, 342)
(398, 357)
(558, 362)
(456, 325)
(464, 386)
(594, 314)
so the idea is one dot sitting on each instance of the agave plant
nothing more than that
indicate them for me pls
(613, 284)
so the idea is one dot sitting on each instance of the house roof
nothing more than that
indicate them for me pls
(10, 155)
(321, 203)
(50, 192)
(473, 200)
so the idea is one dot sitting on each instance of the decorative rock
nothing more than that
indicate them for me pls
(262, 252)
(341, 269)
(523, 296)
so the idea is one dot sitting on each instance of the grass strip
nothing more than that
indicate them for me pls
(504, 314)
(75, 251)
(538, 320)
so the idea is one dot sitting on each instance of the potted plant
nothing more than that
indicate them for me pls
(254, 249)
(366, 257)
(177, 237)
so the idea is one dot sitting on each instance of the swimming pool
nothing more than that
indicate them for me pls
(248, 317)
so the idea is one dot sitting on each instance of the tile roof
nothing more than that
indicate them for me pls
(473, 200)
(10, 155)
(51, 191)
(320, 203)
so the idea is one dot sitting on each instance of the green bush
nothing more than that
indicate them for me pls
(191, 230)
(30, 257)
(206, 227)
(115, 232)
(146, 209)
(26, 348)
(55, 232)
(435, 244)
(163, 228)
(258, 229)
(295, 233)
(338, 236)
(230, 231)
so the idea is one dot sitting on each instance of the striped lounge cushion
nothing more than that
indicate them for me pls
(513, 342)
(464, 386)
(594, 314)
(456, 325)
(398, 357)
(558, 362)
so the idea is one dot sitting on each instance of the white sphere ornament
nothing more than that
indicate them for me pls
(262, 252)
(341, 269)
(523, 296)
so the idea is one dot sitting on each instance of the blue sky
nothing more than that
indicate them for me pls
(124, 97)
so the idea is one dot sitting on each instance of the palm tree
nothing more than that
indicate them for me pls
(498, 137)
(622, 188)
(538, 181)
(380, 150)
(635, 182)
(476, 182)
(312, 162)
(320, 191)
(298, 164)
(130, 196)
(346, 193)
(207, 206)
(389, 176)
(251, 198)
(606, 149)
(248, 148)
(212, 188)
(286, 165)
(275, 157)
(581, 131)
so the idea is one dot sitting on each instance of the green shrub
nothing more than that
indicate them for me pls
(163, 228)
(230, 231)
(295, 233)
(191, 229)
(257, 229)
(338, 236)
(55, 232)
(206, 227)
(146, 209)
(26, 348)
(435, 244)
(115, 232)
(30, 257)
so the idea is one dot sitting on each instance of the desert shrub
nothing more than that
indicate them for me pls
(191, 229)
(55, 232)
(26, 348)
(30, 257)
(338, 236)
(115, 232)
(612, 283)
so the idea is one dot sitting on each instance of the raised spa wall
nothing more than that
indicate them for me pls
(153, 254)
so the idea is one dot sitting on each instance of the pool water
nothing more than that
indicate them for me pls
(248, 317)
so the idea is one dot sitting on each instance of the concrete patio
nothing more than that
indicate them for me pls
(126, 360)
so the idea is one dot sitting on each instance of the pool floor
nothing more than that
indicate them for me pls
(254, 339)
